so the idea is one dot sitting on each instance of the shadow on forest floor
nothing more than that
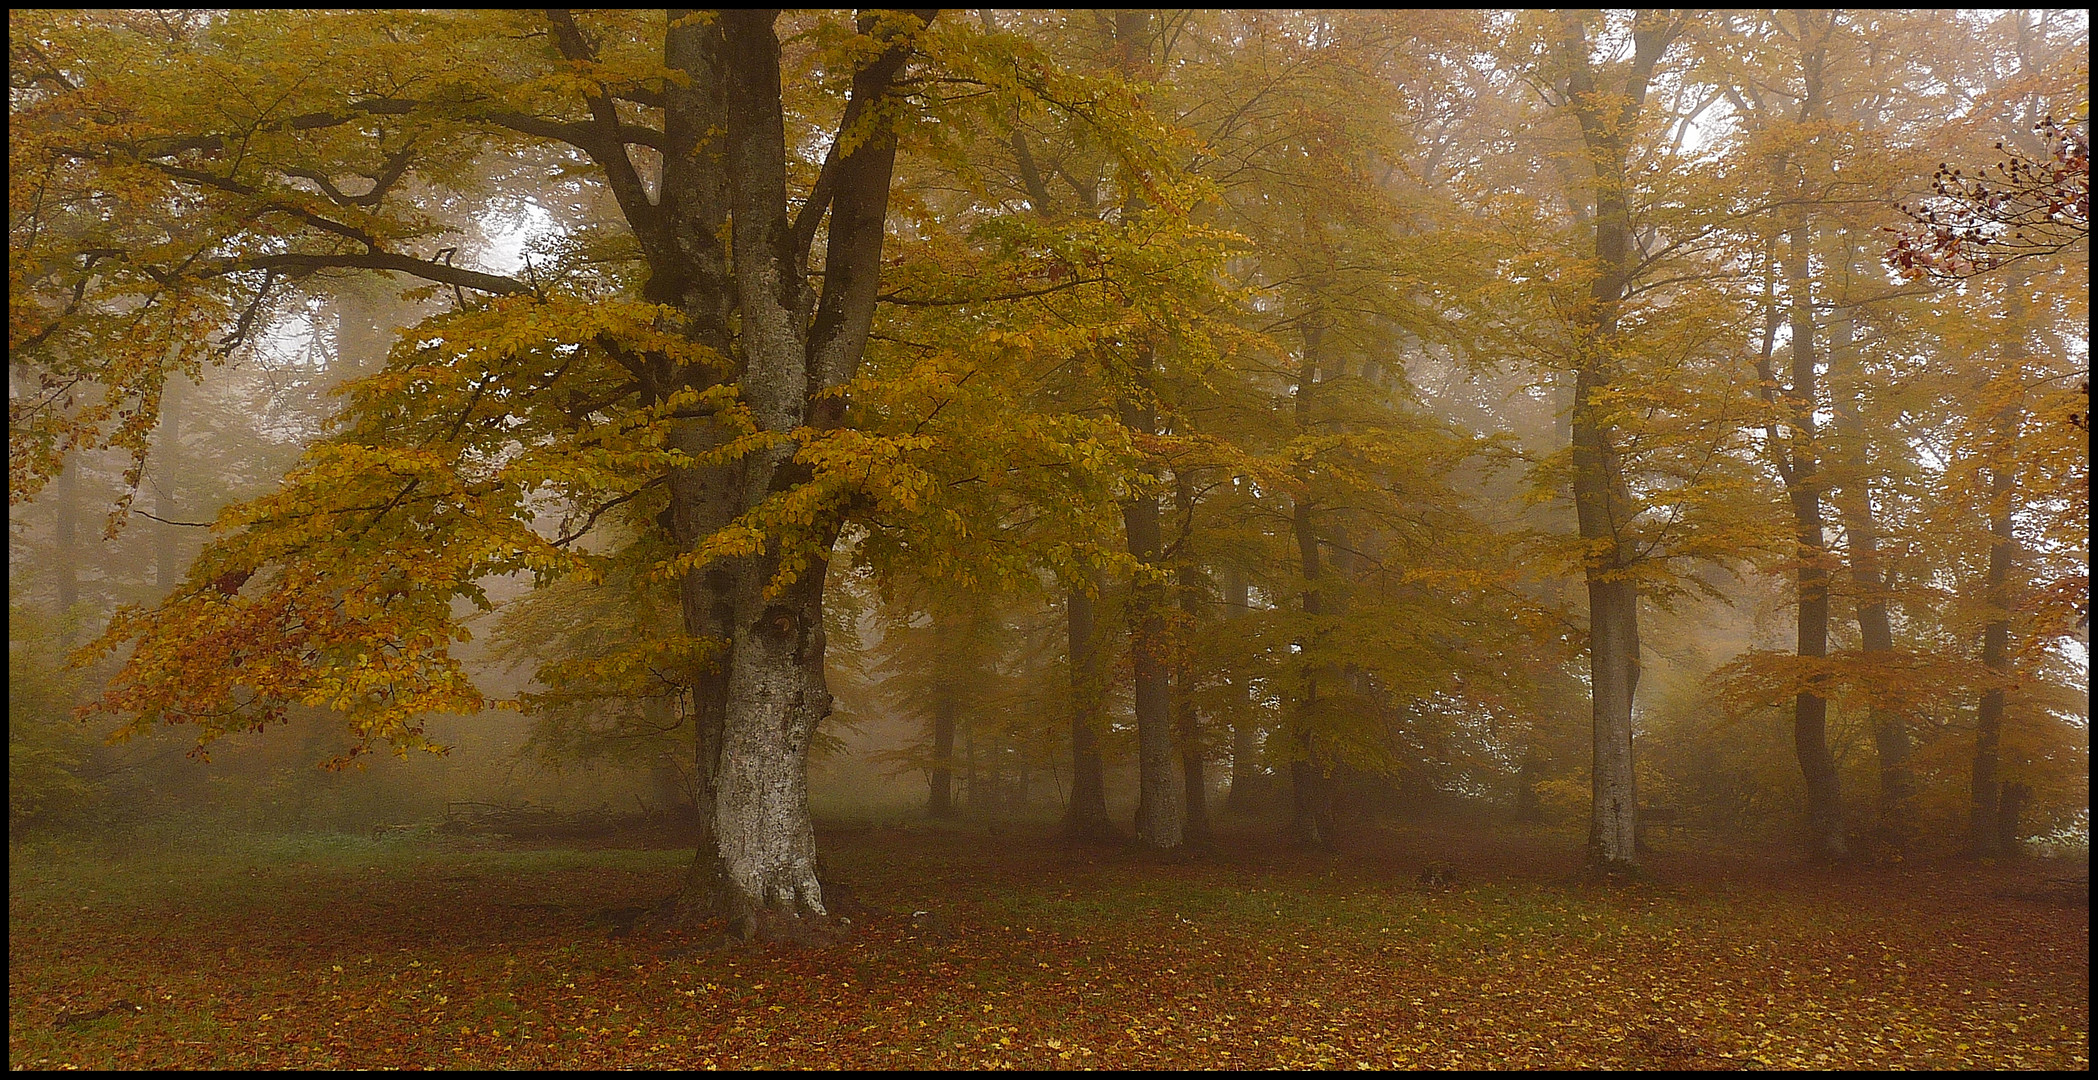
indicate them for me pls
(1442, 946)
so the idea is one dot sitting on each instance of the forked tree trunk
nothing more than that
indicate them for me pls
(1798, 462)
(1987, 818)
(758, 699)
(1810, 709)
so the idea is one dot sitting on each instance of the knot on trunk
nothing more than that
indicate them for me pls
(779, 622)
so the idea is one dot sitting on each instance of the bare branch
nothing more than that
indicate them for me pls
(385, 260)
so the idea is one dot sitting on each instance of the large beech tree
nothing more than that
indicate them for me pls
(189, 168)
(979, 294)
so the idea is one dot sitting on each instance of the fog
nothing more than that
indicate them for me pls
(1446, 396)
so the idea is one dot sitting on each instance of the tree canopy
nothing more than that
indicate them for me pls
(1340, 398)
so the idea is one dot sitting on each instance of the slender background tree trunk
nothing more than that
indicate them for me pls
(1311, 786)
(1985, 831)
(1602, 503)
(1187, 727)
(1853, 500)
(1086, 816)
(1825, 831)
(1245, 733)
(1158, 813)
(941, 804)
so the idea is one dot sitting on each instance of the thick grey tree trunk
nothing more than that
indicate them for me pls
(776, 697)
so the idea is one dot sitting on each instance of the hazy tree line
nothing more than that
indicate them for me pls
(1543, 414)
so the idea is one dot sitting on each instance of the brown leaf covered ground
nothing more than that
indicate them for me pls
(345, 953)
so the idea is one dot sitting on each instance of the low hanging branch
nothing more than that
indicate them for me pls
(2014, 209)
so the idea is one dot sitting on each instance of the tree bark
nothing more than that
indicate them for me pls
(972, 778)
(1158, 808)
(1797, 459)
(2010, 805)
(1601, 498)
(690, 271)
(1990, 820)
(1187, 728)
(1601, 502)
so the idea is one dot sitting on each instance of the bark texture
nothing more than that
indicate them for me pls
(1993, 805)
(1796, 455)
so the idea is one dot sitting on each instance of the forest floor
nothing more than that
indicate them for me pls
(428, 953)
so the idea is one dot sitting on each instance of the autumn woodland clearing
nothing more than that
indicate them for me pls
(1032, 954)
(1098, 538)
